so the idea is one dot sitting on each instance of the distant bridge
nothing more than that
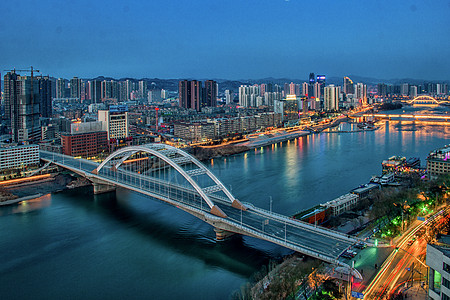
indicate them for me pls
(438, 119)
(425, 100)
(175, 177)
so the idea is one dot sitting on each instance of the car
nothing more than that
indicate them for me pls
(346, 255)
(410, 242)
(350, 253)
(360, 245)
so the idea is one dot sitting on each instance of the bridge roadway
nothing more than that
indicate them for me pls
(399, 117)
(303, 237)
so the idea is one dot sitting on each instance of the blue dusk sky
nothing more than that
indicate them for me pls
(229, 39)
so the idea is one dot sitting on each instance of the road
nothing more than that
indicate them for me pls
(407, 259)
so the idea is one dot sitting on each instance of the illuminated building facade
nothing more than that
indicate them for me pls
(438, 262)
(348, 86)
(331, 97)
(438, 162)
(291, 108)
(18, 157)
(115, 121)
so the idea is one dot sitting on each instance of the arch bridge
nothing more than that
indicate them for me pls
(175, 177)
(424, 100)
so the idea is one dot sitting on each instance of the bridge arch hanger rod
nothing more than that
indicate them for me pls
(154, 149)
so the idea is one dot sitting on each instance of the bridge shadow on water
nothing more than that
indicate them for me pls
(172, 228)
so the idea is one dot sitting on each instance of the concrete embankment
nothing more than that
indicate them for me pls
(205, 153)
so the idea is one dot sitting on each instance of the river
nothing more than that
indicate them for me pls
(73, 244)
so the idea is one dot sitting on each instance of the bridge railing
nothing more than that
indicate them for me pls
(304, 225)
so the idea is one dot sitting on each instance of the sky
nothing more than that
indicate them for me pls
(228, 39)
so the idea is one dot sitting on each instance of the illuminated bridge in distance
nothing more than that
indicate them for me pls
(425, 100)
(438, 119)
(175, 177)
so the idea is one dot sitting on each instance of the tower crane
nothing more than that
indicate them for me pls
(31, 70)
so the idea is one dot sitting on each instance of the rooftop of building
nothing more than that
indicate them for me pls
(365, 188)
(341, 200)
(443, 244)
(440, 154)
(15, 145)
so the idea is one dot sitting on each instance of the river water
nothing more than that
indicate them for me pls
(74, 245)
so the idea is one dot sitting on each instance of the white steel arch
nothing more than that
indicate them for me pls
(163, 151)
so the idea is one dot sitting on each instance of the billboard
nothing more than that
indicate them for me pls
(320, 78)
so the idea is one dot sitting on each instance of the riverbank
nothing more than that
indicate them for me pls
(259, 140)
(43, 186)
(266, 139)
(205, 153)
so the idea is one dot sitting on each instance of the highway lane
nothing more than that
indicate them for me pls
(395, 268)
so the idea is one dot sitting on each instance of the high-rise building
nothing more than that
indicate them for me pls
(331, 97)
(122, 86)
(404, 89)
(413, 91)
(291, 108)
(305, 89)
(248, 94)
(164, 94)
(75, 88)
(22, 102)
(210, 94)
(190, 94)
(61, 88)
(96, 91)
(382, 90)
(361, 93)
(154, 96)
(291, 88)
(142, 89)
(45, 96)
(85, 139)
(348, 86)
(321, 81)
(317, 91)
(229, 97)
(115, 121)
(312, 81)
(110, 89)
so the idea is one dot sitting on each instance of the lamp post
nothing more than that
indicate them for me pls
(270, 204)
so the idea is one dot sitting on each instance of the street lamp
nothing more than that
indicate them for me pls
(270, 204)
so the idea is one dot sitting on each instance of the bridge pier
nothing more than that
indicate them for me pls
(222, 234)
(100, 188)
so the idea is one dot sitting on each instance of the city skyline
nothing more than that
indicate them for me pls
(229, 40)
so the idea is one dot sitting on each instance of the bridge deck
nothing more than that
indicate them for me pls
(299, 236)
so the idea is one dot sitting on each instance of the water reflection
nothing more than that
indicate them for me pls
(28, 205)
